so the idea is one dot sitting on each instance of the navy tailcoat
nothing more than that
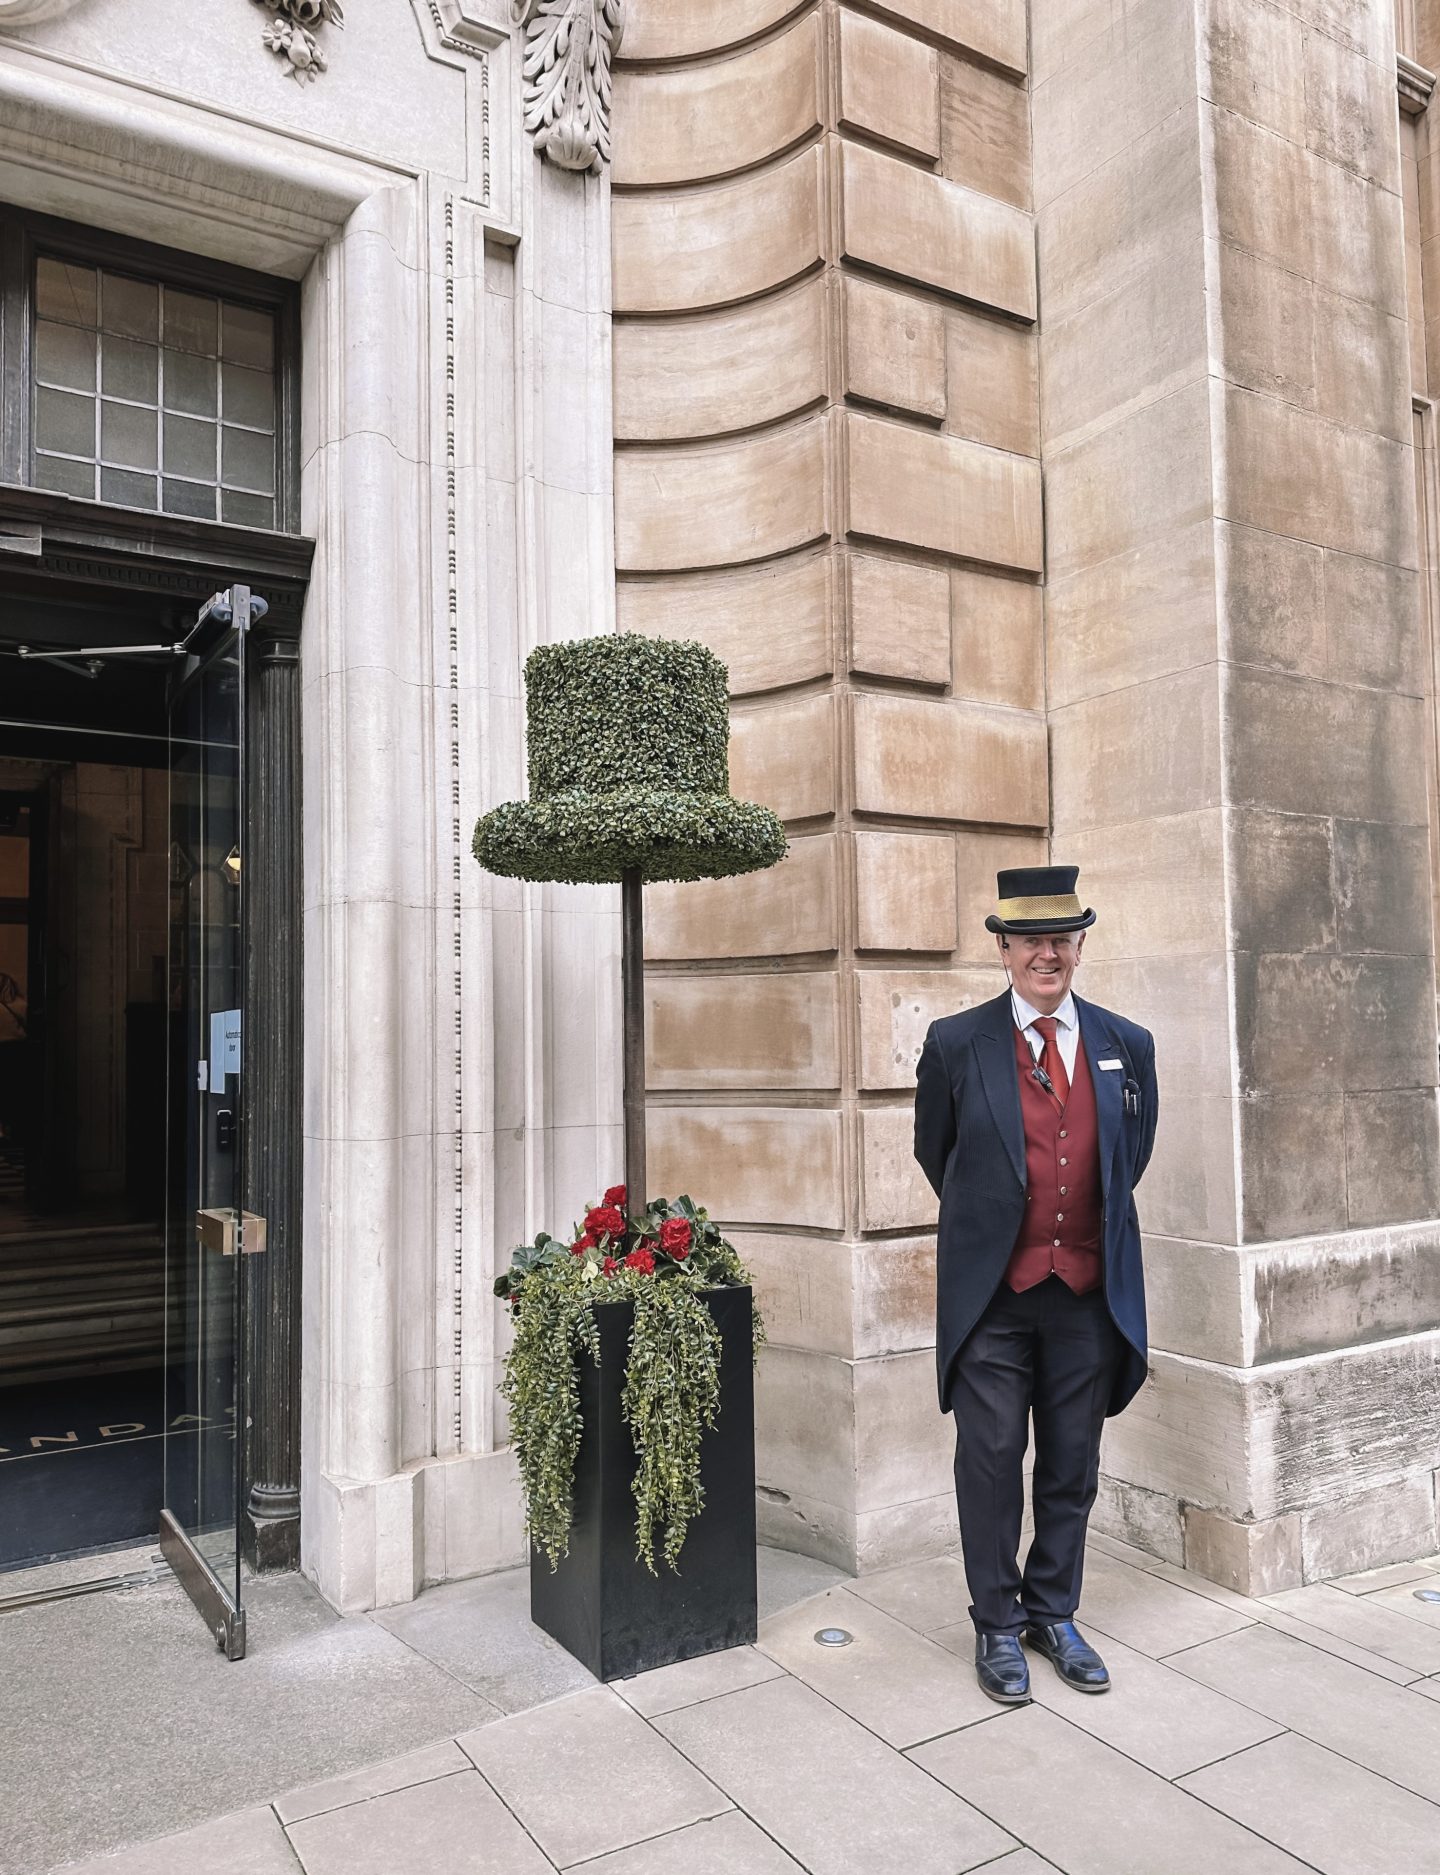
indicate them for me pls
(970, 1141)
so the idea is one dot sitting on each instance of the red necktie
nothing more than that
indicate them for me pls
(1050, 1059)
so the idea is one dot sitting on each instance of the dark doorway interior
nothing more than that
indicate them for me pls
(84, 847)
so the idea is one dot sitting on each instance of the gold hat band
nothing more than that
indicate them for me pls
(1064, 905)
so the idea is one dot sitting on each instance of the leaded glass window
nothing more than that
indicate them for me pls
(153, 396)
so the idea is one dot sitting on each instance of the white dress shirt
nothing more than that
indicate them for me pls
(1067, 1033)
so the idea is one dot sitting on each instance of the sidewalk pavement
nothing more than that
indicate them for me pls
(1255, 1737)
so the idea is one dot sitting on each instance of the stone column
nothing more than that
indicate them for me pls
(826, 469)
(1236, 688)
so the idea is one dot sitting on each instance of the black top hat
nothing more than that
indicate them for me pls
(1038, 898)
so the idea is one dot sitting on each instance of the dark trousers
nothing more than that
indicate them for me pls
(1048, 1353)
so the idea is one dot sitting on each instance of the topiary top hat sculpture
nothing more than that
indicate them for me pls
(629, 780)
(628, 740)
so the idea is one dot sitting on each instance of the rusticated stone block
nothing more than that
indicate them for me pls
(1251, 1558)
(997, 626)
(942, 493)
(1253, 58)
(985, 130)
(729, 502)
(1292, 1157)
(1282, 898)
(1271, 589)
(1369, 1529)
(1140, 614)
(993, 28)
(943, 760)
(1147, 1520)
(992, 393)
(696, 121)
(771, 626)
(777, 1030)
(889, 85)
(1392, 1155)
(908, 222)
(894, 348)
(1382, 888)
(787, 911)
(895, 1194)
(1309, 748)
(783, 754)
(851, 1299)
(904, 891)
(720, 371)
(1156, 743)
(896, 1009)
(979, 857)
(899, 619)
(751, 1165)
(712, 247)
(683, 29)
(1316, 1293)
(1178, 910)
(1373, 630)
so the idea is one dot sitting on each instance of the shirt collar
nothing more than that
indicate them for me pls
(1025, 1015)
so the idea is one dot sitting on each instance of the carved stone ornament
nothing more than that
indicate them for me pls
(32, 12)
(568, 48)
(291, 36)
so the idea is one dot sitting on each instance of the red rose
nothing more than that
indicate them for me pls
(642, 1260)
(675, 1235)
(605, 1221)
(582, 1244)
(615, 1195)
(609, 1266)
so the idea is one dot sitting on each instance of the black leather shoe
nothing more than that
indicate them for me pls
(1001, 1669)
(1071, 1655)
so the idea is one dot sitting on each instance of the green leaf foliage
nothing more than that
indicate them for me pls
(671, 1391)
(628, 762)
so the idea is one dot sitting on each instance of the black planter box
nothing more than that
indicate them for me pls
(602, 1604)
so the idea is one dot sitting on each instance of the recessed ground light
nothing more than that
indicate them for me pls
(1426, 1595)
(834, 1637)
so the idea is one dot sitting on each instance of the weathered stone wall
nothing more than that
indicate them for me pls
(826, 416)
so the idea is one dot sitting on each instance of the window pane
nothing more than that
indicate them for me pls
(65, 292)
(190, 322)
(247, 336)
(188, 498)
(248, 461)
(130, 307)
(131, 491)
(190, 383)
(249, 397)
(128, 369)
(246, 510)
(65, 422)
(190, 448)
(67, 478)
(127, 435)
(65, 355)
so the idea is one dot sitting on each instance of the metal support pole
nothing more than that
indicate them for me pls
(632, 988)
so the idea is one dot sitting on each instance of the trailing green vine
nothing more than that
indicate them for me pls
(662, 1261)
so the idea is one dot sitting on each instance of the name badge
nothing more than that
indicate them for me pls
(1110, 1064)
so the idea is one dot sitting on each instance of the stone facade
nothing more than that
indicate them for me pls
(881, 283)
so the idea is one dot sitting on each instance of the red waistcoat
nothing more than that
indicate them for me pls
(1063, 1215)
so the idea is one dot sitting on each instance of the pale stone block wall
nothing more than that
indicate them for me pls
(827, 423)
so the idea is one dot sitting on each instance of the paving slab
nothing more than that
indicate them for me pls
(480, 1631)
(1019, 1862)
(247, 1842)
(897, 1683)
(1367, 1622)
(122, 1711)
(784, 1577)
(587, 1775)
(375, 1780)
(1335, 1815)
(689, 1681)
(924, 1595)
(1401, 1601)
(1087, 1809)
(456, 1824)
(1349, 1711)
(723, 1845)
(1139, 1607)
(1392, 1576)
(1153, 1714)
(829, 1792)
(1430, 1688)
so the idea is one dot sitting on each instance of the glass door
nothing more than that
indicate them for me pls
(207, 1231)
